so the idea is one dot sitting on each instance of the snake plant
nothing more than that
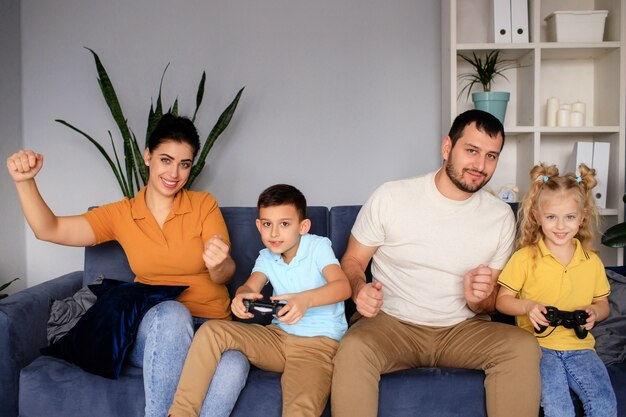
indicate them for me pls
(135, 174)
(615, 236)
(484, 70)
(3, 286)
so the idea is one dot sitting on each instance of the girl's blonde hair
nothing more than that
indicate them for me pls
(546, 177)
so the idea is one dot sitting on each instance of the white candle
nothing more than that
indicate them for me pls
(566, 106)
(580, 107)
(576, 119)
(562, 118)
(551, 109)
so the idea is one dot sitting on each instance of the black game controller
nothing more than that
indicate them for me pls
(569, 319)
(263, 307)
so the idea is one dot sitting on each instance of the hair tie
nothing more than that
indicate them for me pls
(578, 179)
(543, 178)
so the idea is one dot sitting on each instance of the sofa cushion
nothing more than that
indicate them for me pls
(106, 259)
(99, 340)
(52, 387)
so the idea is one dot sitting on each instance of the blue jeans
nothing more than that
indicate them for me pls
(585, 374)
(160, 348)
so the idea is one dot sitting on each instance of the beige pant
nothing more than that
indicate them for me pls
(305, 363)
(508, 355)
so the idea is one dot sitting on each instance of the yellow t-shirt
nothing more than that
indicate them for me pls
(546, 280)
(172, 255)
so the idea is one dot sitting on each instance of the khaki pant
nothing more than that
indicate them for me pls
(508, 355)
(305, 363)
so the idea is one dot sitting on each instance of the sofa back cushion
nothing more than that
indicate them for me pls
(106, 259)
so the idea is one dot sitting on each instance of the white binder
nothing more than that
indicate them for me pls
(601, 155)
(500, 23)
(594, 155)
(519, 21)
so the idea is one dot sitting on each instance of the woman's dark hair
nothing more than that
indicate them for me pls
(176, 128)
(485, 122)
(281, 194)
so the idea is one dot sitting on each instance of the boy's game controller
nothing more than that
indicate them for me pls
(263, 307)
(569, 319)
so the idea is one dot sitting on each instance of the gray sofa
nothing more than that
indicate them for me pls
(36, 386)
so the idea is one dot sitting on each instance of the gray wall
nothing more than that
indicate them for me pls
(340, 96)
(12, 243)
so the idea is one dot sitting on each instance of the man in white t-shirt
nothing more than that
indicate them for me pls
(437, 245)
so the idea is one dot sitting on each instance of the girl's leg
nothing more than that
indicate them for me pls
(160, 348)
(589, 379)
(555, 397)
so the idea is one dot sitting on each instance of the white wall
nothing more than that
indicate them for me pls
(340, 95)
(12, 242)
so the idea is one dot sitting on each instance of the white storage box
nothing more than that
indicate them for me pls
(576, 26)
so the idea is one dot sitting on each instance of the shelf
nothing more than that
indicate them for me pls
(568, 131)
(590, 72)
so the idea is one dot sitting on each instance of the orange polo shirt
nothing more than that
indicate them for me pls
(172, 255)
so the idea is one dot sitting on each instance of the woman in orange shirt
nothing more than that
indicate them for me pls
(171, 236)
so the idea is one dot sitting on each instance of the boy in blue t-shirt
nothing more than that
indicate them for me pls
(303, 336)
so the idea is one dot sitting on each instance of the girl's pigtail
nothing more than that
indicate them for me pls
(528, 226)
(591, 220)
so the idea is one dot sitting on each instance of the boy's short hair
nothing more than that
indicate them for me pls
(280, 194)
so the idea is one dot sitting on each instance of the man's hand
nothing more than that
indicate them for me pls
(369, 299)
(215, 252)
(478, 284)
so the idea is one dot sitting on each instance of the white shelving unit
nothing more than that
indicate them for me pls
(593, 73)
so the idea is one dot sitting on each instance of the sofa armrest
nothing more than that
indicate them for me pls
(23, 322)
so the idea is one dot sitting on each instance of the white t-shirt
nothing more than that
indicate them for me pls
(427, 243)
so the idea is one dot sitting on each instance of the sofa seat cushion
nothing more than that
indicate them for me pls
(52, 387)
(432, 392)
(262, 396)
(617, 373)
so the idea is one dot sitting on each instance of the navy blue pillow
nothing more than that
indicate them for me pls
(100, 339)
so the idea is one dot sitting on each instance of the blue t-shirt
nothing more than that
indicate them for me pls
(303, 273)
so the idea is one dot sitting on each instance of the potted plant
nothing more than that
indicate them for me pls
(615, 236)
(485, 68)
(3, 286)
(135, 174)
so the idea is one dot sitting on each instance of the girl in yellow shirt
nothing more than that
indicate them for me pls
(555, 266)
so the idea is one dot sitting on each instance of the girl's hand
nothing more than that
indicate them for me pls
(297, 306)
(593, 317)
(24, 165)
(536, 313)
(237, 306)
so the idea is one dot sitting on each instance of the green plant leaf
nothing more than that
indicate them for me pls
(174, 108)
(220, 126)
(3, 286)
(104, 153)
(615, 236)
(108, 92)
(119, 167)
(484, 70)
(141, 166)
(199, 95)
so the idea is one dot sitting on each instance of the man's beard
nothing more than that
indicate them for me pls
(457, 178)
